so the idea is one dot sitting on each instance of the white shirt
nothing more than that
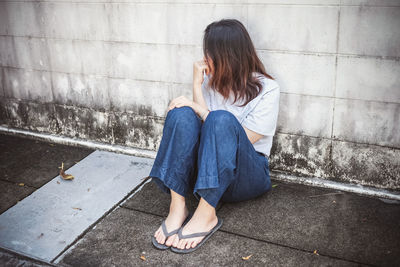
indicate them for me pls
(259, 115)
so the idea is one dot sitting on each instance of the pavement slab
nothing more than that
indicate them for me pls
(122, 237)
(339, 224)
(46, 222)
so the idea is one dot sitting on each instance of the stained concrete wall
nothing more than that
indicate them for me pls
(106, 70)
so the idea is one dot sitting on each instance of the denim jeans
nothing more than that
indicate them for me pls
(214, 159)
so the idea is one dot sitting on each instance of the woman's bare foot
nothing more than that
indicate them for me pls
(177, 215)
(203, 220)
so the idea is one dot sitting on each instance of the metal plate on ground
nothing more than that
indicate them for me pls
(43, 224)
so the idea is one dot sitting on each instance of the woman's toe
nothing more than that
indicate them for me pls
(156, 233)
(160, 239)
(169, 240)
(175, 242)
(181, 244)
(194, 244)
(188, 244)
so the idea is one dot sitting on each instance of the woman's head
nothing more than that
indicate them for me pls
(232, 57)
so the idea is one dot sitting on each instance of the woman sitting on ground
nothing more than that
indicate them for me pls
(216, 146)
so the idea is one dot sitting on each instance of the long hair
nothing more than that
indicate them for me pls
(234, 57)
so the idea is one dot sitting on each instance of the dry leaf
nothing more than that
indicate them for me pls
(52, 144)
(64, 175)
(76, 208)
(143, 258)
(21, 184)
(88, 189)
(247, 257)
(58, 182)
(274, 185)
(40, 235)
(315, 252)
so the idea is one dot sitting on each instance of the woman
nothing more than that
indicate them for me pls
(216, 145)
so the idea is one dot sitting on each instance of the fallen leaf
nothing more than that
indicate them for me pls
(21, 184)
(64, 175)
(143, 258)
(76, 208)
(88, 189)
(58, 182)
(76, 161)
(247, 257)
(52, 144)
(40, 235)
(315, 252)
(274, 185)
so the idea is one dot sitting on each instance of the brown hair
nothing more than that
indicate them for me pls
(234, 57)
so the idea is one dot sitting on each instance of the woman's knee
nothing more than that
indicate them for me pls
(221, 118)
(181, 114)
(183, 118)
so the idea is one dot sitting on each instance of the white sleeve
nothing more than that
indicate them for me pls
(264, 116)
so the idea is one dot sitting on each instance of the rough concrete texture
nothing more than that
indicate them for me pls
(11, 193)
(301, 155)
(335, 223)
(125, 235)
(281, 228)
(110, 127)
(106, 71)
(8, 259)
(31, 163)
(369, 165)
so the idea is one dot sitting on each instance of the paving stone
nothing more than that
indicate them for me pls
(34, 162)
(124, 236)
(334, 223)
(43, 224)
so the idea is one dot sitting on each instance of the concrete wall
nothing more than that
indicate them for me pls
(106, 70)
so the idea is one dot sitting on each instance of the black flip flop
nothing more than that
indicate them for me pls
(206, 234)
(168, 234)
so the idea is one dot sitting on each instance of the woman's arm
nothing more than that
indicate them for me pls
(199, 105)
(253, 136)
(198, 96)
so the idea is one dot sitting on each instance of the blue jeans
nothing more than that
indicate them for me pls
(214, 159)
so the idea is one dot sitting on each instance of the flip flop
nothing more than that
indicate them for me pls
(167, 234)
(206, 234)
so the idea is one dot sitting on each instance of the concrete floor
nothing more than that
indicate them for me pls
(292, 225)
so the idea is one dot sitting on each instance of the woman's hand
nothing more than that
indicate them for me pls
(198, 68)
(180, 101)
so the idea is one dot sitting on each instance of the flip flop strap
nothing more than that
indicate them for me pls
(181, 236)
(164, 228)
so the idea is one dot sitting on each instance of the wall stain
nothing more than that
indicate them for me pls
(293, 154)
